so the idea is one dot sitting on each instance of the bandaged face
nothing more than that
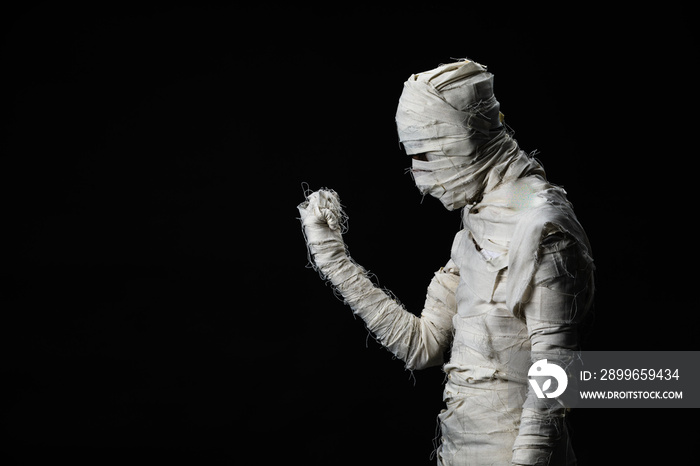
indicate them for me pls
(441, 177)
(445, 118)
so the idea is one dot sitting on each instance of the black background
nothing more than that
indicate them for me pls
(156, 305)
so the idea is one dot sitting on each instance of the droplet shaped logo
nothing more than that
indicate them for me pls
(542, 369)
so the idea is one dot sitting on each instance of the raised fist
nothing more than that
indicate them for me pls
(322, 220)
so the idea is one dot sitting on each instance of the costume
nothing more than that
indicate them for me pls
(518, 283)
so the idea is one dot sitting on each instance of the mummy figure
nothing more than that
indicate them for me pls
(518, 282)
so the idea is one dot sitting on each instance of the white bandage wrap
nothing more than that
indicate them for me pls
(526, 284)
(419, 342)
(451, 114)
(450, 110)
(518, 284)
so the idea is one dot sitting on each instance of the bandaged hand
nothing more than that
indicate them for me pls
(322, 221)
(419, 342)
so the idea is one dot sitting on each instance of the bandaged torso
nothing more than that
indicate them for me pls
(486, 383)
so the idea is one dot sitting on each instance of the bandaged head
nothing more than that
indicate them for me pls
(451, 115)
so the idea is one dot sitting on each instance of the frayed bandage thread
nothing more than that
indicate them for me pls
(418, 341)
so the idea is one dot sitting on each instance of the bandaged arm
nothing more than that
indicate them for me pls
(561, 292)
(418, 341)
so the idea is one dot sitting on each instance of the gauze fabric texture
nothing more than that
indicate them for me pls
(419, 342)
(452, 113)
(518, 283)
